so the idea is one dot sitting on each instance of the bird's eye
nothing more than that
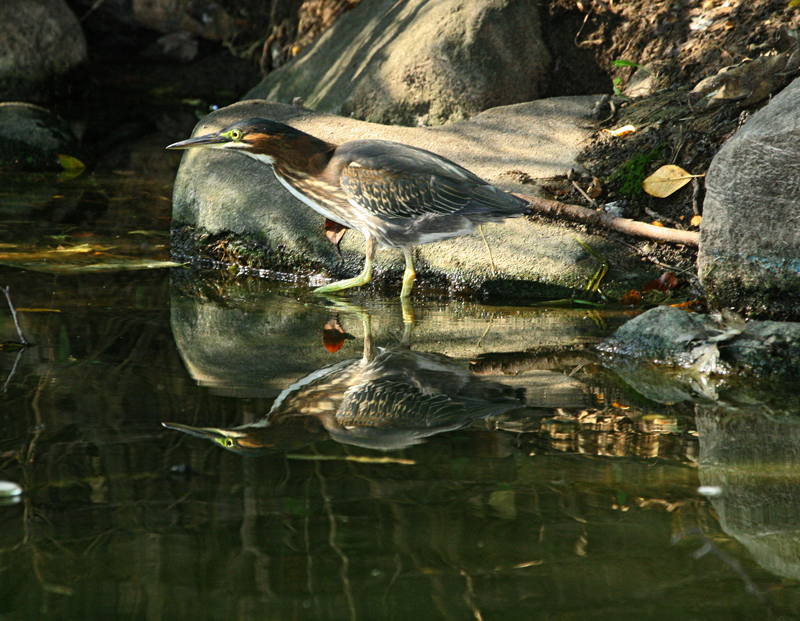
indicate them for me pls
(235, 134)
(229, 442)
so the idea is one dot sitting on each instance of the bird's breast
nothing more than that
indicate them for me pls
(321, 196)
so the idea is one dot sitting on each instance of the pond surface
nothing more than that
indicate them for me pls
(324, 460)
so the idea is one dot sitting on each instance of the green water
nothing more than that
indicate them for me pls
(582, 502)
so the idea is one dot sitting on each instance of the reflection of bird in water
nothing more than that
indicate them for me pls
(388, 399)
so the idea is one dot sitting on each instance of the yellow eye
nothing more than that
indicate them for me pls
(229, 442)
(235, 134)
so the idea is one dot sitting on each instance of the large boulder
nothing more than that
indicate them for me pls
(749, 254)
(233, 205)
(32, 138)
(418, 62)
(40, 40)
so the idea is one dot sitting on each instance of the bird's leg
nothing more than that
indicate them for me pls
(362, 279)
(409, 274)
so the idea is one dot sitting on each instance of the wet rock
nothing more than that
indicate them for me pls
(664, 334)
(749, 255)
(31, 138)
(39, 40)
(418, 62)
(222, 194)
(705, 343)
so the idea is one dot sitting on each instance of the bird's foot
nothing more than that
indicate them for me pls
(341, 285)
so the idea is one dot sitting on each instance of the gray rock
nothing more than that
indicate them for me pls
(418, 61)
(749, 255)
(32, 137)
(671, 336)
(222, 194)
(663, 334)
(39, 40)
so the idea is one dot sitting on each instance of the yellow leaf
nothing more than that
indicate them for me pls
(794, 3)
(622, 131)
(696, 220)
(666, 180)
(70, 163)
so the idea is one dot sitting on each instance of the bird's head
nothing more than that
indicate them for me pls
(267, 141)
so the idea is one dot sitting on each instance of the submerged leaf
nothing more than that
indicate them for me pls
(79, 259)
(70, 163)
(632, 298)
(667, 281)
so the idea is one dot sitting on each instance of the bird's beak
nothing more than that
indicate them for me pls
(199, 141)
(207, 433)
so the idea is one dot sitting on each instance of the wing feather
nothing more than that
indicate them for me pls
(393, 180)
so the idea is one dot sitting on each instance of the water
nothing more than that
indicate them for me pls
(442, 497)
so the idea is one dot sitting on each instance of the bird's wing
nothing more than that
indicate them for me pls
(387, 403)
(395, 180)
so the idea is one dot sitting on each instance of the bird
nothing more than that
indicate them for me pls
(396, 195)
(389, 399)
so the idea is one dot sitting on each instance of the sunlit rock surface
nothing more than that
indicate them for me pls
(419, 61)
(749, 254)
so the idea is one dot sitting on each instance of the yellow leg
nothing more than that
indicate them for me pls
(408, 314)
(362, 279)
(409, 274)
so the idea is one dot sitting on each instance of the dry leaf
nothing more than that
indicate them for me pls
(666, 180)
(750, 81)
(696, 220)
(596, 189)
(622, 131)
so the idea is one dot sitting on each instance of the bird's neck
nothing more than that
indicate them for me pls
(302, 157)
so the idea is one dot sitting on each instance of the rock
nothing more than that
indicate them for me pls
(749, 255)
(218, 196)
(31, 138)
(663, 334)
(643, 83)
(180, 17)
(40, 40)
(671, 336)
(417, 62)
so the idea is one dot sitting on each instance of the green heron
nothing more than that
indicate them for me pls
(397, 196)
(388, 399)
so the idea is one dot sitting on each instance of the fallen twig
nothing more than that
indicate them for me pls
(576, 213)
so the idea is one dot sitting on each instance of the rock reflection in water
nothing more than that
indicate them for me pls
(388, 399)
(751, 456)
